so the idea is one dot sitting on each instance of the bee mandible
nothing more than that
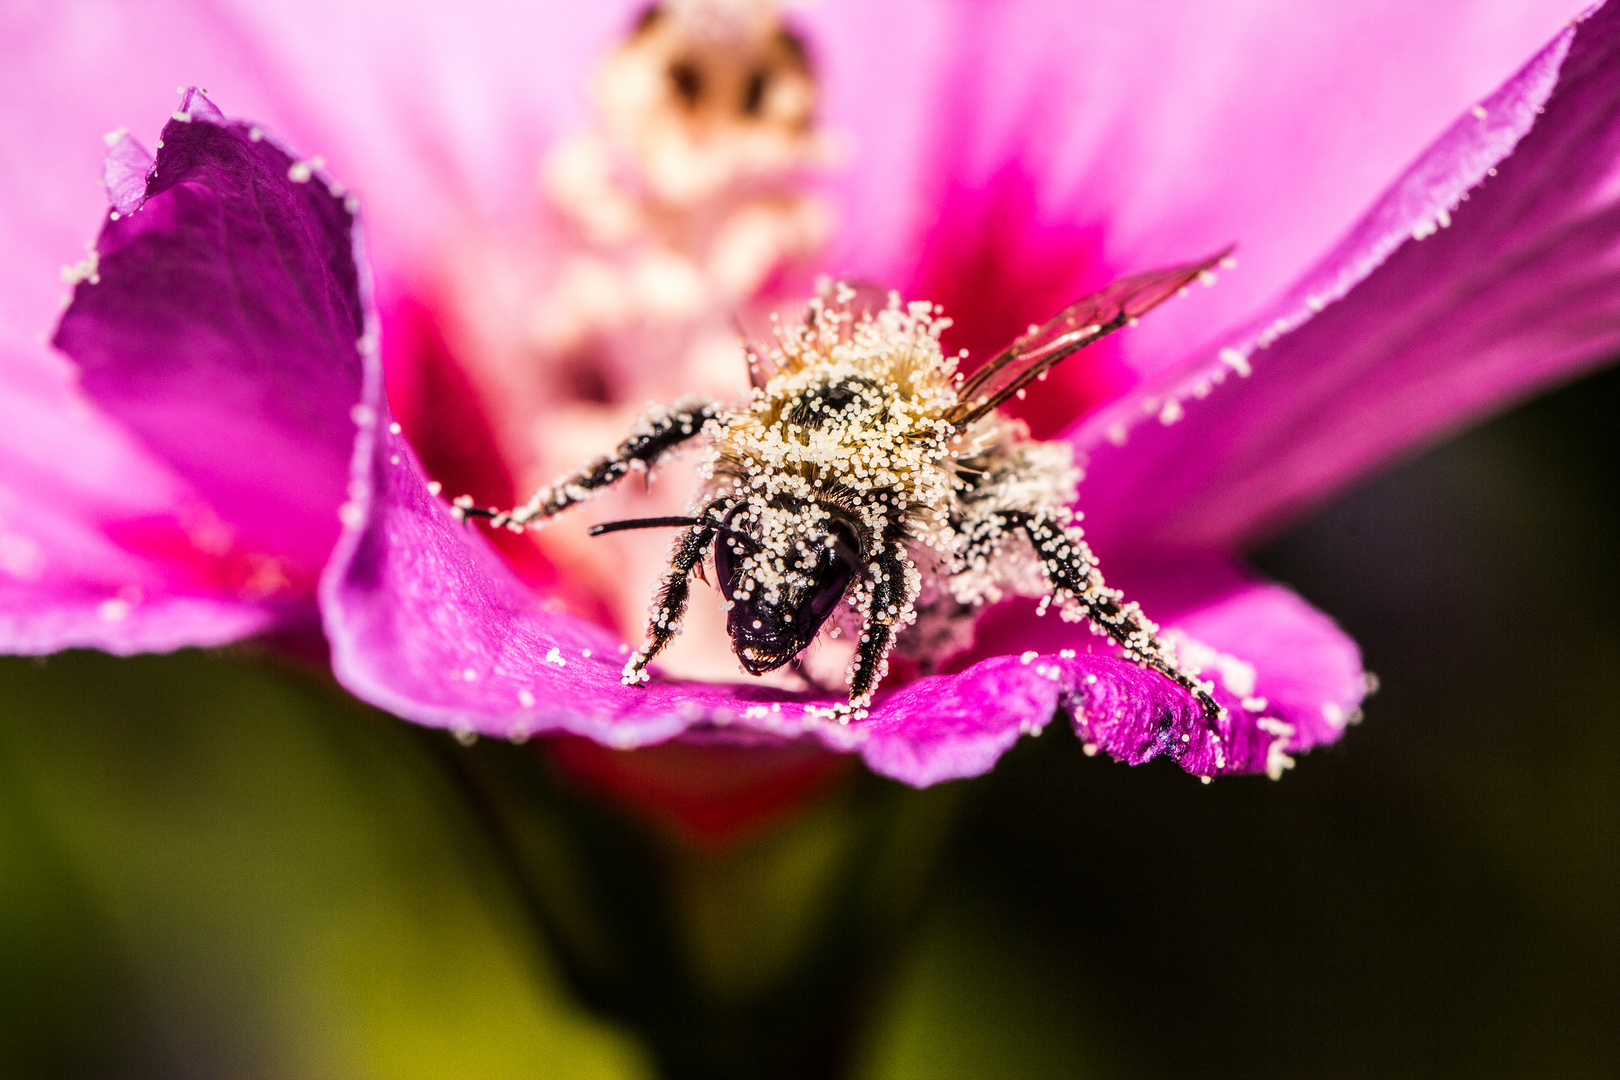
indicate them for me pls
(868, 484)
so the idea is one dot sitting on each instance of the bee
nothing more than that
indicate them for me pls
(868, 484)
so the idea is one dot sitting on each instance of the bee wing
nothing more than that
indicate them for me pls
(1082, 323)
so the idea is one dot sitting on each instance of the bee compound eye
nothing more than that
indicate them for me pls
(686, 78)
(754, 91)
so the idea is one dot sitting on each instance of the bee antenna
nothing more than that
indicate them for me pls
(641, 523)
(669, 523)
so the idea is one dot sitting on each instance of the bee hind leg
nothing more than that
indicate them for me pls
(1072, 572)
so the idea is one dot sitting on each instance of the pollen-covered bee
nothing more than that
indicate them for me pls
(867, 486)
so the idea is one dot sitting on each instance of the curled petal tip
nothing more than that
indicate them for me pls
(195, 105)
(124, 172)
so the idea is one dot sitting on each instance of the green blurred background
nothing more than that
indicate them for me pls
(214, 865)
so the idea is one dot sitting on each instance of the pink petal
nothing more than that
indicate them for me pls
(1168, 129)
(1521, 290)
(76, 496)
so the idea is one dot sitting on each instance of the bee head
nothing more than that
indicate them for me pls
(784, 568)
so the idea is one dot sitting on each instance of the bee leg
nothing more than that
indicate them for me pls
(654, 436)
(893, 593)
(673, 594)
(1072, 572)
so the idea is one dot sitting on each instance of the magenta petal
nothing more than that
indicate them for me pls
(945, 727)
(221, 327)
(1289, 678)
(1515, 288)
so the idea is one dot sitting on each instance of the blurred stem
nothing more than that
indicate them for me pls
(740, 931)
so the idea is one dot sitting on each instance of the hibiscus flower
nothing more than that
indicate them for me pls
(219, 458)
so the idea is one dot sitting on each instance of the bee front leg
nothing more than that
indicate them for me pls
(673, 594)
(894, 591)
(1078, 586)
(654, 436)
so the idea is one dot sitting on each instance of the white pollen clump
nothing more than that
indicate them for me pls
(1236, 361)
(1334, 714)
(86, 269)
(299, 172)
(525, 698)
(255, 134)
(1277, 760)
(555, 656)
(1479, 112)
